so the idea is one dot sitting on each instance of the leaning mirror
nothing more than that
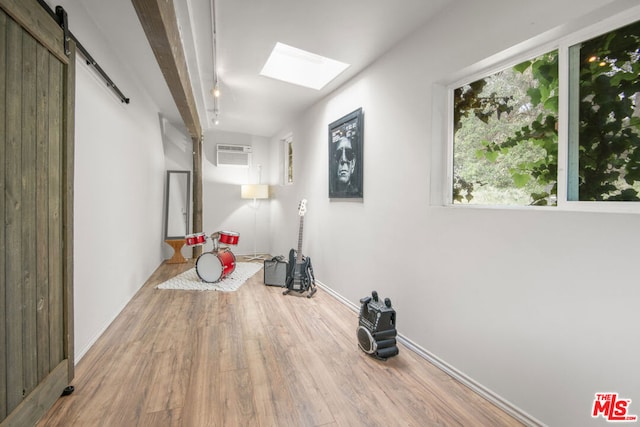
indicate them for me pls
(177, 204)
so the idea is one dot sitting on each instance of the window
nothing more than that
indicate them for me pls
(506, 131)
(505, 136)
(287, 160)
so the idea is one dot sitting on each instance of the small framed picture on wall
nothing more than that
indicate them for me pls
(345, 156)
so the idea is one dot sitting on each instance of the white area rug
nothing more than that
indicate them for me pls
(189, 280)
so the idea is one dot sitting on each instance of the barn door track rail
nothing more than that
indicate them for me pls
(60, 16)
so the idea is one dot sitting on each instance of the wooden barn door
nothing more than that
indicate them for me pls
(36, 212)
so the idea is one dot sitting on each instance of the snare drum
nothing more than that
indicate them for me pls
(229, 237)
(213, 267)
(196, 239)
(201, 238)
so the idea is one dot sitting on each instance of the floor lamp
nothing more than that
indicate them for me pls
(255, 192)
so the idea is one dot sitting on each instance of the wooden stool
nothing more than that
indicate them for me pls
(177, 245)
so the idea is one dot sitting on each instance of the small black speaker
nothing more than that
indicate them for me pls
(377, 327)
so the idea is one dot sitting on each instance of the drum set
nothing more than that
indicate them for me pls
(214, 266)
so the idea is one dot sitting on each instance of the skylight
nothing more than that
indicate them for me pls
(297, 66)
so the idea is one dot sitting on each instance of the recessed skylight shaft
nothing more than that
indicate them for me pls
(300, 67)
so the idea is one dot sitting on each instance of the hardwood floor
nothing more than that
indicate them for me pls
(254, 357)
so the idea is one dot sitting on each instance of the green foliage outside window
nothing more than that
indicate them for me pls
(506, 143)
(608, 121)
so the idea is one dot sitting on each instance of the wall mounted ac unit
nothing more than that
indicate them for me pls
(233, 155)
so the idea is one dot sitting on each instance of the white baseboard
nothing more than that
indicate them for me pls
(478, 388)
(79, 354)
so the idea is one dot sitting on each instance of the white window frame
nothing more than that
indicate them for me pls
(560, 39)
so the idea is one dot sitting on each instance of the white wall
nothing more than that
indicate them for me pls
(119, 185)
(222, 207)
(538, 306)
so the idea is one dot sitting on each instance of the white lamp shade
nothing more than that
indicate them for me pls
(254, 191)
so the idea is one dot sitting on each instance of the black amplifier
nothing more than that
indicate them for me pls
(275, 271)
(377, 327)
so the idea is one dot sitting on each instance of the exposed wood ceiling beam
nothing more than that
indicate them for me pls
(158, 19)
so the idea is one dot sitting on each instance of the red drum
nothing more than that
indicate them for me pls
(195, 239)
(213, 267)
(229, 237)
(201, 238)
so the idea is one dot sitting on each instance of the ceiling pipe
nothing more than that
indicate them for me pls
(214, 60)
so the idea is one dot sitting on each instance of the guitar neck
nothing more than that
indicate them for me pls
(299, 253)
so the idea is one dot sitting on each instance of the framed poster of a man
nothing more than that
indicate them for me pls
(345, 156)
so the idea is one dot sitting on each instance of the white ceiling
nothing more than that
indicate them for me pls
(352, 31)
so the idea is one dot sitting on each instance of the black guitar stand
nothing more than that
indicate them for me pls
(312, 285)
(307, 285)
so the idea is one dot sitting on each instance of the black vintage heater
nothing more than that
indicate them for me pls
(377, 327)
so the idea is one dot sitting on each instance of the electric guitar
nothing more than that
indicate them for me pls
(300, 275)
